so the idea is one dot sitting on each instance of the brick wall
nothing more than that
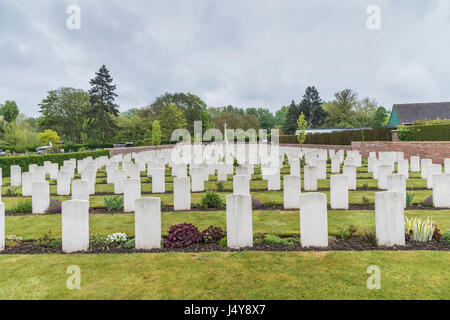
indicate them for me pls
(436, 150)
(319, 146)
(115, 151)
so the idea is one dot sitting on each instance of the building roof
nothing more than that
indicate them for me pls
(410, 112)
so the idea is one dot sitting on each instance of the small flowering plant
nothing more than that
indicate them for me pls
(116, 238)
(54, 206)
(256, 204)
(428, 202)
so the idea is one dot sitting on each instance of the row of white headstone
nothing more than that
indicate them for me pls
(389, 221)
(127, 180)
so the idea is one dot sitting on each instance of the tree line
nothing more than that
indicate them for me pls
(93, 117)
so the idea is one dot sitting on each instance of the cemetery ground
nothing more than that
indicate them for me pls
(32, 271)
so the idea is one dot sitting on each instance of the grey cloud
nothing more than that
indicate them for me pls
(253, 53)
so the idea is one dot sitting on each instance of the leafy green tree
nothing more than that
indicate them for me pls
(280, 116)
(379, 118)
(340, 111)
(156, 133)
(249, 121)
(171, 117)
(130, 113)
(194, 108)
(264, 116)
(232, 120)
(311, 106)
(102, 97)
(364, 112)
(65, 110)
(290, 126)
(302, 125)
(131, 129)
(9, 111)
(49, 136)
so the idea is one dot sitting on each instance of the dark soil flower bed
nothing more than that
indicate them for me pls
(196, 207)
(335, 244)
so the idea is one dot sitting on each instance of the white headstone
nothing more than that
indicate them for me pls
(313, 220)
(148, 223)
(441, 190)
(339, 191)
(239, 221)
(389, 218)
(158, 180)
(63, 183)
(350, 173)
(310, 178)
(403, 168)
(119, 178)
(397, 183)
(40, 197)
(431, 170)
(131, 192)
(241, 184)
(75, 225)
(16, 175)
(80, 190)
(182, 193)
(2, 226)
(291, 191)
(383, 172)
(27, 184)
(424, 163)
(415, 164)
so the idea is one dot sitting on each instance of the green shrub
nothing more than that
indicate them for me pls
(347, 232)
(404, 134)
(12, 191)
(23, 206)
(130, 244)
(24, 161)
(366, 201)
(446, 236)
(430, 131)
(113, 203)
(273, 239)
(342, 137)
(220, 186)
(211, 200)
(409, 198)
(419, 230)
(223, 242)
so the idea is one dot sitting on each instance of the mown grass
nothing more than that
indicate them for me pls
(228, 275)
(265, 221)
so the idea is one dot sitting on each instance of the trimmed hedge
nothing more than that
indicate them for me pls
(431, 132)
(24, 161)
(343, 137)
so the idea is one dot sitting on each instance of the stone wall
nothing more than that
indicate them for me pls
(114, 151)
(436, 150)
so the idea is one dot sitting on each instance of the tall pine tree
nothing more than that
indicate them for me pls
(311, 106)
(102, 97)
(290, 126)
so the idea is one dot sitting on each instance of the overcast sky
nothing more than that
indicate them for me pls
(248, 53)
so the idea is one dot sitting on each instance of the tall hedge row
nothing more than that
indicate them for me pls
(343, 137)
(434, 132)
(24, 161)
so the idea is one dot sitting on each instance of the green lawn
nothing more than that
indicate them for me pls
(229, 275)
(226, 275)
(265, 221)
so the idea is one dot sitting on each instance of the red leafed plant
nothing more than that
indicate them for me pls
(182, 235)
(213, 234)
